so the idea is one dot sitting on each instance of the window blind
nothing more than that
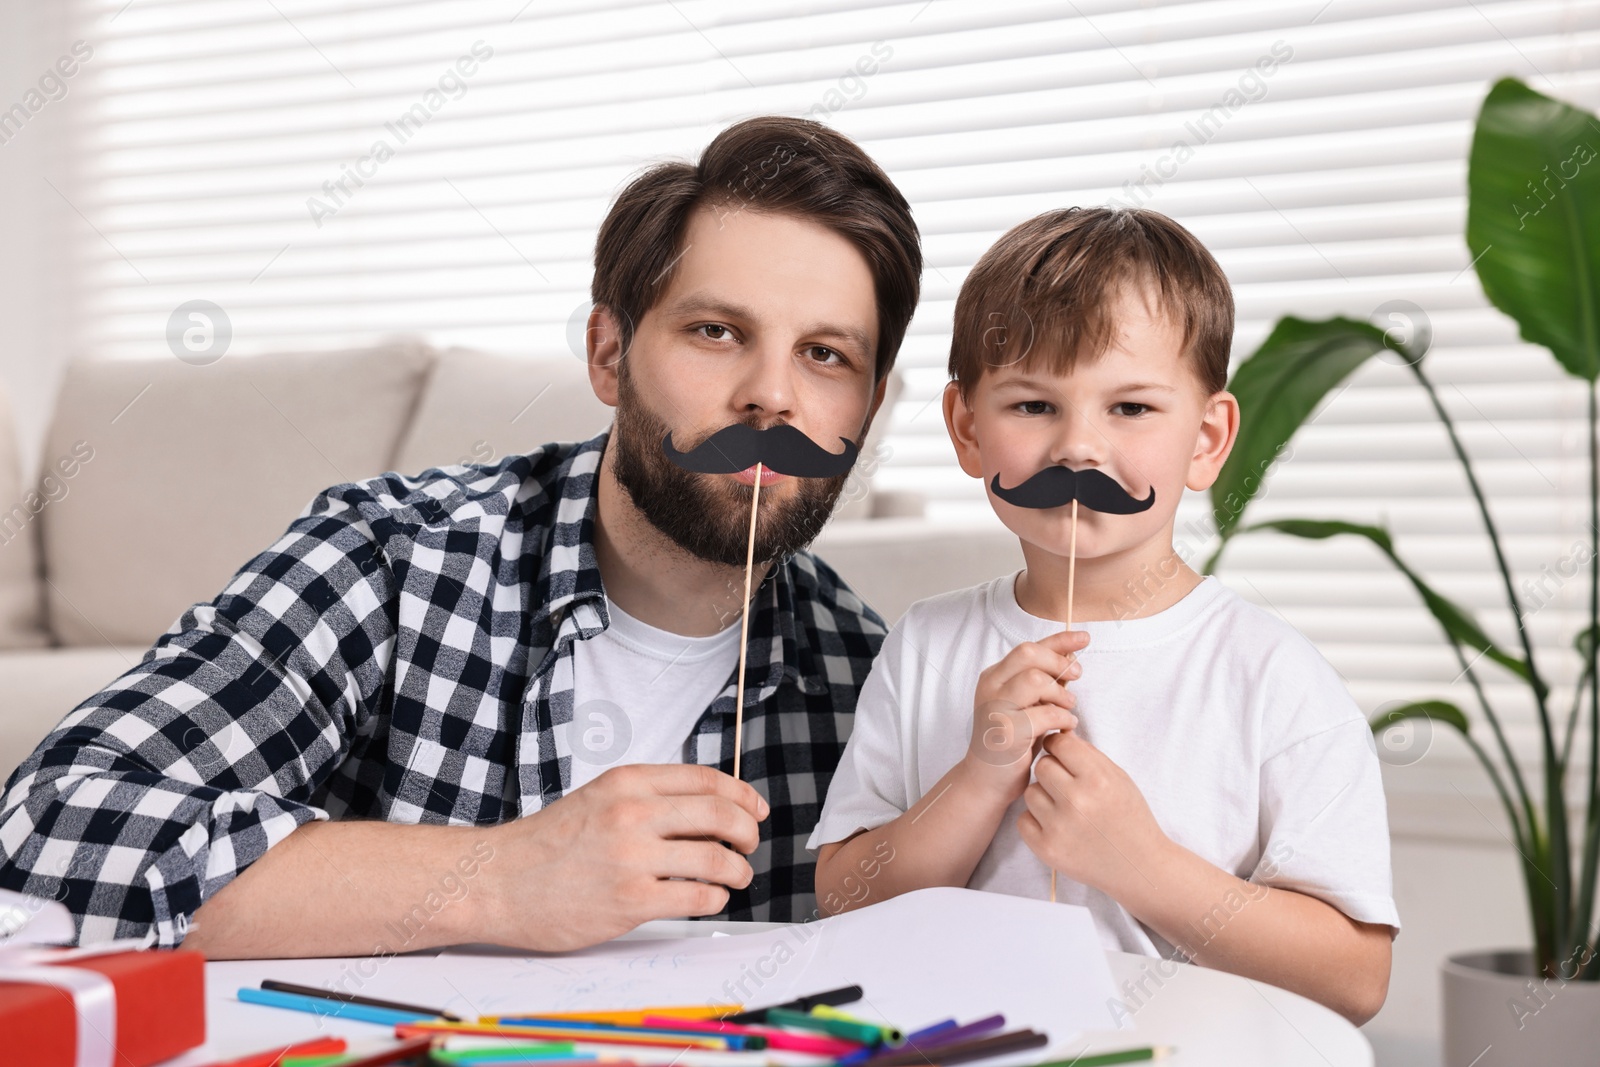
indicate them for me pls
(330, 171)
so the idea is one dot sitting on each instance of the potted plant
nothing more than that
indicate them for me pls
(1533, 230)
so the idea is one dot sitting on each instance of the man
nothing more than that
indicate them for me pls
(511, 685)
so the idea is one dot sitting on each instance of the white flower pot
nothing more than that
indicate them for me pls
(1499, 1013)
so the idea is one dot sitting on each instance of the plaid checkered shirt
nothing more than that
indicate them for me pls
(405, 652)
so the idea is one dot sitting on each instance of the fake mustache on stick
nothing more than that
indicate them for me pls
(1054, 486)
(782, 448)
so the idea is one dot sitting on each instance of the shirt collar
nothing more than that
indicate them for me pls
(569, 570)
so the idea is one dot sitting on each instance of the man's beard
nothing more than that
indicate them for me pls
(708, 515)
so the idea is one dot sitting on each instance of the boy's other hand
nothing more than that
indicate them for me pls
(1086, 817)
(1018, 701)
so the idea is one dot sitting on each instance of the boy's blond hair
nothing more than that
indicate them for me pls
(1045, 292)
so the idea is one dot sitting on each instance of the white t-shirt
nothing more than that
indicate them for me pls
(638, 690)
(1243, 739)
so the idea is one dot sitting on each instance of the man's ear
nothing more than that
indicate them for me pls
(603, 352)
(1219, 428)
(960, 422)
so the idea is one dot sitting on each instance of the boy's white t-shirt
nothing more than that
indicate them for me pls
(638, 691)
(1243, 739)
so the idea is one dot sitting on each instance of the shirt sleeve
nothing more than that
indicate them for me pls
(869, 786)
(1324, 819)
(153, 794)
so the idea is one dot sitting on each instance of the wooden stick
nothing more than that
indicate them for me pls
(1072, 565)
(744, 626)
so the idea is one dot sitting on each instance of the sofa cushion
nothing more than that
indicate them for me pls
(478, 407)
(21, 596)
(43, 685)
(197, 469)
(893, 563)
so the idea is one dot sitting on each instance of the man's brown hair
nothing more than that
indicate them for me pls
(770, 164)
(1047, 289)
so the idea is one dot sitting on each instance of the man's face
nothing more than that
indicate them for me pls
(1137, 413)
(768, 319)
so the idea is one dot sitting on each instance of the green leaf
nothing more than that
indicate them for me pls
(1456, 621)
(1441, 710)
(1533, 219)
(1278, 386)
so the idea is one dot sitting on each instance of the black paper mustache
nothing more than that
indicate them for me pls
(782, 448)
(1091, 487)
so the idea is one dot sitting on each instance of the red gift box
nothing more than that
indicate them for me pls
(160, 1009)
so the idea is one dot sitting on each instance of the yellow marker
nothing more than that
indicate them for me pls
(507, 1028)
(893, 1036)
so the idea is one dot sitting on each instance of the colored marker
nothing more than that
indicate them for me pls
(351, 998)
(1105, 1059)
(891, 1035)
(575, 1059)
(659, 1039)
(635, 1016)
(945, 1054)
(834, 997)
(736, 1042)
(916, 1037)
(535, 1054)
(862, 1033)
(819, 1044)
(271, 1057)
(935, 1030)
(405, 1050)
(967, 1032)
(321, 1006)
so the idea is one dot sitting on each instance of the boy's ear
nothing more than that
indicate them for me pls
(1219, 428)
(959, 420)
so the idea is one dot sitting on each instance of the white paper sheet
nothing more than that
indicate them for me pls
(919, 958)
(941, 953)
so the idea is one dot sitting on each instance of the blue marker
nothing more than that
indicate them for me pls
(319, 1006)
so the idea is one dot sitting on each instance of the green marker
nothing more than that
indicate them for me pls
(1105, 1059)
(850, 1030)
(554, 1050)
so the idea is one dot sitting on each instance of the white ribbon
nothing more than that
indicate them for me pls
(94, 1000)
(94, 997)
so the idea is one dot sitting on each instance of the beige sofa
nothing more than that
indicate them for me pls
(159, 479)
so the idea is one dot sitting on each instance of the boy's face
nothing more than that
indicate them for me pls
(1138, 413)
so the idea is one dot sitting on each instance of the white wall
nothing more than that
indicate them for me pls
(37, 226)
(1453, 896)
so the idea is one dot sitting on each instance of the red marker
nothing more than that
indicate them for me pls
(322, 1046)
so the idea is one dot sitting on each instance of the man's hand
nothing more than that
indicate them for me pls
(607, 856)
(592, 865)
(1017, 702)
(1086, 818)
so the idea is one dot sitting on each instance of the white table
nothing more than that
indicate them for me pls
(1213, 1019)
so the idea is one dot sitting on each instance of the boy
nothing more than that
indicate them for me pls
(1204, 783)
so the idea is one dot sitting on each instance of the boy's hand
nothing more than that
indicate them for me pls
(1018, 701)
(1087, 819)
